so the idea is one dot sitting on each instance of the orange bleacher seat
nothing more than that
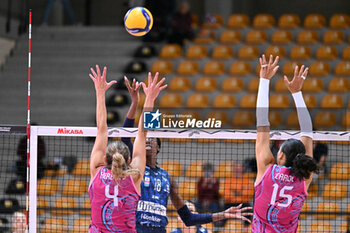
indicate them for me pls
(313, 191)
(188, 68)
(174, 168)
(230, 36)
(343, 68)
(310, 100)
(289, 21)
(188, 189)
(346, 53)
(333, 37)
(339, 85)
(81, 225)
(335, 190)
(263, 21)
(82, 168)
(179, 84)
(326, 52)
(243, 119)
(315, 21)
(300, 52)
(224, 170)
(218, 115)
(219, 21)
(346, 120)
(289, 67)
(332, 101)
(205, 36)
(339, 21)
(47, 186)
(171, 51)
(232, 84)
(240, 68)
(248, 101)
(305, 208)
(224, 101)
(170, 100)
(279, 101)
(163, 67)
(325, 119)
(343, 227)
(275, 118)
(313, 85)
(214, 68)
(238, 21)
(75, 187)
(197, 100)
(86, 205)
(65, 206)
(256, 37)
(196, 51)
(195, 169)
(253, 85)
(222, 52)
(307, 37)
(54, 225)
(206, 84)
(320, 227)
(319, 68)
(340, 171)
(292, 120)
(171, 212)
(280, 86)
(275, 50)
(327, 207)
(248, 52)
(282, 37)
(41, 204)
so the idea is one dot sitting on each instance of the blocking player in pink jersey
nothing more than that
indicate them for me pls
(281, 186)
(114, 188)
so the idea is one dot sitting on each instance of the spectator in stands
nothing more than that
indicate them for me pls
(67, 7)
(184, 228)
(320, 156)
(238, 189)
(19, 223)
(208, 190)
(181, 25)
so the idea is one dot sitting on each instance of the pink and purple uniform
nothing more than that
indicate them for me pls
(279, 197)
(113, 206)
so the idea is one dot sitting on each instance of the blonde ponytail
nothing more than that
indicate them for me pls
(120, 169)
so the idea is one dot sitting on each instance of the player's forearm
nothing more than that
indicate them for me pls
(191, 219)
(101, 112)
(304, 117)
(148, 106)
(132, 110)
(262, 103)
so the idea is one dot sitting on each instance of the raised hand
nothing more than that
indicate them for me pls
(153, 88)
(99, 80)
(238, 213)
(133, 90)
(298, 80)
(268, 69)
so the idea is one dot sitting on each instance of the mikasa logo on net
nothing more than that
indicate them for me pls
(69, 131)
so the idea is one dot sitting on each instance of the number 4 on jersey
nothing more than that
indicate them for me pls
(114, 197)
(281, 194)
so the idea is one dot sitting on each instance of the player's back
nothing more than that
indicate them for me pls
(279, 197)
(113, 206)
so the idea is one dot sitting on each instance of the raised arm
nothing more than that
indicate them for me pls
(130, 116)
(139, 154)
(304, 118)
(264, 157)
(99, 149)
(191, 219)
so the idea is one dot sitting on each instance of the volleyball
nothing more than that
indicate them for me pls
(138, 21)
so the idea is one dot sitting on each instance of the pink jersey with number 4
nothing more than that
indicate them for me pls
(113, 206)
(279, 197)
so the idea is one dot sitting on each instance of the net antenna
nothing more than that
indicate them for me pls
(28, 116)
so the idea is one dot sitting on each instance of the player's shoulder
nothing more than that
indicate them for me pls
(163, 171)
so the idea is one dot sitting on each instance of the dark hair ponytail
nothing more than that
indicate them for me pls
(303, 166)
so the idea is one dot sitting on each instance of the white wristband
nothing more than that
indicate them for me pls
(262, 103)
(303, 115)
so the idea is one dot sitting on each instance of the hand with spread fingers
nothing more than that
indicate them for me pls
(133, 90)
(268, 69)
(99, 80)
(297, 82)
(153, 87)
(237, 212)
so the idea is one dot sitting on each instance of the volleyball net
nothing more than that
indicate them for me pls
(60, 174)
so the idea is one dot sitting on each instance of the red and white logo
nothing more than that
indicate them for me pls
(69, 131)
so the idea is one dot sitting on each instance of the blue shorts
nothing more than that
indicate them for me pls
(149, 229)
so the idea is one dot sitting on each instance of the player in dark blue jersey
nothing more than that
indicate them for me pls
(158, 186)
